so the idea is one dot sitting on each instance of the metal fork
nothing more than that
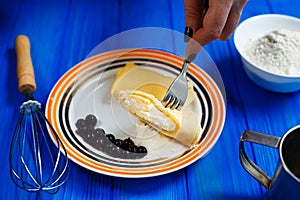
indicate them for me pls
(178, 90)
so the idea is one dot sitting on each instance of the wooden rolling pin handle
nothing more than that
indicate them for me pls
(25, 72)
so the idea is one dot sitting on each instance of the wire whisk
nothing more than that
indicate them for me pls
(36, 164)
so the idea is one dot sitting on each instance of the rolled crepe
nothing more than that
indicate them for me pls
(184, 125)
(140, 91)
(134, 77)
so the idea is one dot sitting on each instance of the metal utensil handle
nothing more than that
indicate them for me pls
(25, 72)
(250, 166)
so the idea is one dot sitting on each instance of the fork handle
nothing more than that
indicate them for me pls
(184, 67)
(25, 73)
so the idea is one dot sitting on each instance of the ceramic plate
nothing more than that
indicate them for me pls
(85, 89)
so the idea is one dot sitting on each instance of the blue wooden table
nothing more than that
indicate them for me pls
(63, 32)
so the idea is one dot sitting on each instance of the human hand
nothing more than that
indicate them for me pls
(208, 20)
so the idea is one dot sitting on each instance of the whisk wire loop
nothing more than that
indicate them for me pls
(17, 177)
(29, 145)
(56, 170)
(36, 145)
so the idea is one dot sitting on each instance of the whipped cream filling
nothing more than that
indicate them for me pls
(146, 111)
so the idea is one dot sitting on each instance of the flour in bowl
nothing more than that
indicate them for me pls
(277, 52)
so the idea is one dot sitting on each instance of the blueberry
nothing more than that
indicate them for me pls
(88, 137)
(111, 137)
(127, 142)
(80, 132)
(142, 149)
(122, 154)
(99, 131)
(115, 152)
(99, 143)
(119, 142)
(118, 152)
(89, 127)
(80, 123)
(132, 148)
(108, 144)
(91, 120)
(126, 155)
(108, 147)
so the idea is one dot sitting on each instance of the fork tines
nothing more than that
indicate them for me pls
(172, 102)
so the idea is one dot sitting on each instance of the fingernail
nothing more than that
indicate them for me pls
(188, 33)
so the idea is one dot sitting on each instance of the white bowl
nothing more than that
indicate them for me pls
(259, 26)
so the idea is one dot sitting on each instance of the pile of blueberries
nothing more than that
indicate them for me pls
(107, 143)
